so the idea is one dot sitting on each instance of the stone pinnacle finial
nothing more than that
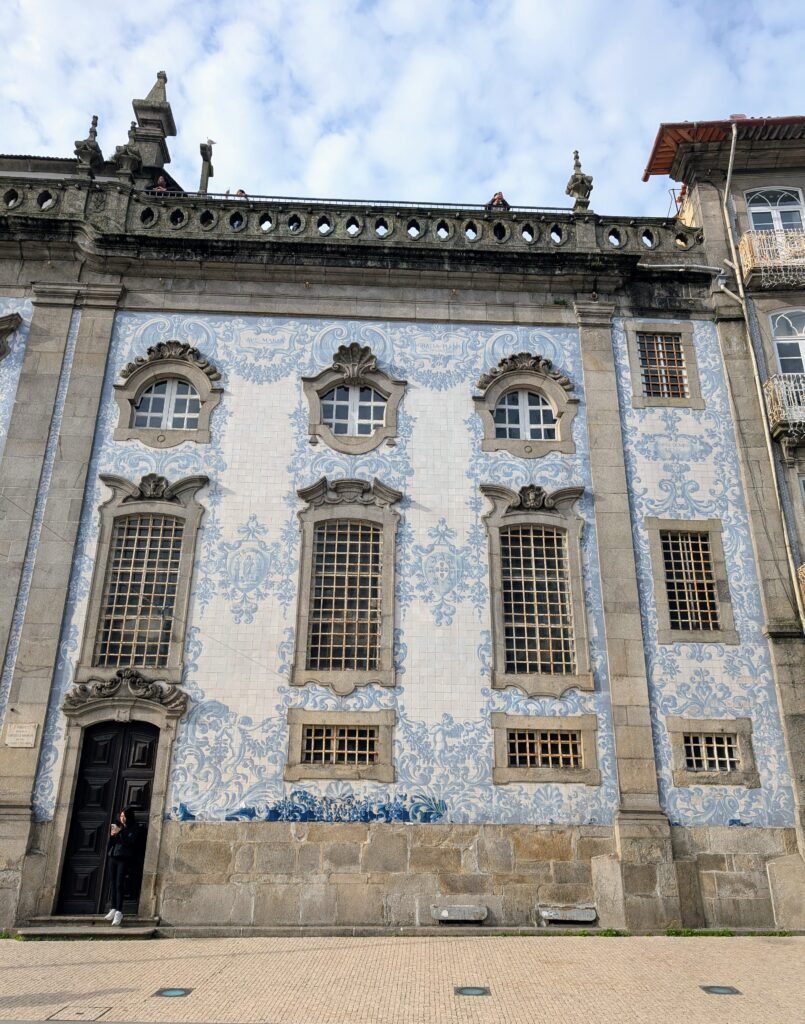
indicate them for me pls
(580, 185)
(90, 157)
(157, 94)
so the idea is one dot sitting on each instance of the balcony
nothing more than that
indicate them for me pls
(785, 402)
(773, 259)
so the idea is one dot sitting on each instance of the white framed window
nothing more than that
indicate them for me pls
(789, 340)
(353, 411)
(524, 415)
(171, 404)
(775, 209)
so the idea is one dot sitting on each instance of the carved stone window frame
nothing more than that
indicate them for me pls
(526, 371)
(533, 506)
(167, 360)
(747, 775)
(358, 501)
(122, 696)
(154, 496)
(8, 325)
(381, 771)
(585, 725)
(727, 634)
(353, 366)
(693, 399)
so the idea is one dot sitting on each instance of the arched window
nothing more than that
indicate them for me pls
(171, 404)
(353, 404)
(525, 415)
(789, 339)
(775, 209)
(526, 407)
(353, 411)
(167, 396)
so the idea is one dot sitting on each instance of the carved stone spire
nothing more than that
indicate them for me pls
(154, 124)
(90, 157)
(580, 185)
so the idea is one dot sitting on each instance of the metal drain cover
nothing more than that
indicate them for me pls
(720, 990)
(471, 990)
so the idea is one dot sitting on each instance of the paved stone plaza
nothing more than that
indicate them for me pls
(384, 980)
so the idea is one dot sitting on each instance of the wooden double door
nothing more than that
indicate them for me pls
(116, 771)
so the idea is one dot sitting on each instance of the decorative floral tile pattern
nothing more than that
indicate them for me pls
(683, 464)
(231, 747)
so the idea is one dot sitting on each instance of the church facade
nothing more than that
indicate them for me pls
(403, 564)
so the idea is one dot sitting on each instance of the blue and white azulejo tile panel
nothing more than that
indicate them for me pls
(683, 464)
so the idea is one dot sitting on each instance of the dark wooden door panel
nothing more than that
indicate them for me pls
(116, 771)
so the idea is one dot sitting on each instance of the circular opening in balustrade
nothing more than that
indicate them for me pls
(353, 227)
(470, 231)
(615, 238)
(45, 200)
(237, 221)
(177, 218)
(413, 229)
(527, 233)
(294, 223)
(11, 198)
(148, 217)
(265, 222)
(682, 241)
(442, 230)
(557, 235)
(207, 219)
(381, 227)
(324, 225)
(499, 231)
(647, 239)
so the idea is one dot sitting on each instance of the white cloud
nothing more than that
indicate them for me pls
(432, 100)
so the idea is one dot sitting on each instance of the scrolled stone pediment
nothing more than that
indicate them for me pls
(348, 492)
(532, 498)
(174, 350)
(126, 683)
(355, 362)
(525, 361)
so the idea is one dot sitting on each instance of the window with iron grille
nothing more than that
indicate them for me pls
(353, 411)
(689, 580)
(139, 592)
(662, 365)
(344, 621)
(168, 404)
(524, 415)
(711, 752)
(537, 608)
(531, 748)
(326, 744)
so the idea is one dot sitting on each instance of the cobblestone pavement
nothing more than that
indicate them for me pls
(407, 980)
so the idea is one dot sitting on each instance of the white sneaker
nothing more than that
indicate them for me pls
(118, 918)
(111, 915)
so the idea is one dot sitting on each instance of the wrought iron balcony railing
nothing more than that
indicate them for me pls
(773, 259)
(785, 401)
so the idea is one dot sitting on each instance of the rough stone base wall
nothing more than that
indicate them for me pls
(278, 874)
(290, 874)
(723, 882)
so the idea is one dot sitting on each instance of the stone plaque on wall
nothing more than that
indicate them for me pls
(22, 734)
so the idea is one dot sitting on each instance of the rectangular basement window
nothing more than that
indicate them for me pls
(326, 744)
(529, 748)
(710, 752)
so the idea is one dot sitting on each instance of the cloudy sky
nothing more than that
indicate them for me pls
(431, 100)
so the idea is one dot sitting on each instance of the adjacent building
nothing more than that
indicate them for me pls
(404, 562)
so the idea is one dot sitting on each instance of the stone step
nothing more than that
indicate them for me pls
(88, 921)
(105, 931)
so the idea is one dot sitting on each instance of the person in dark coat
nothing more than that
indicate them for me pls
(125, 854)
